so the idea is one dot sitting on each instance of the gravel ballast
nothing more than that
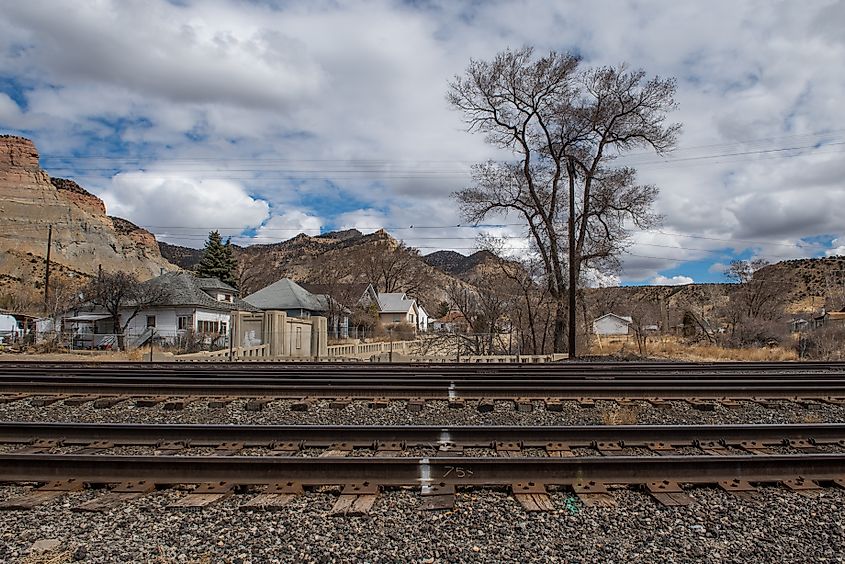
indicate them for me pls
(434, 413)
(485, 526)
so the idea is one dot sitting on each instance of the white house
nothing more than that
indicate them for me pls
(612, 324)
(397, 307)
(202, 306)
(422, 317)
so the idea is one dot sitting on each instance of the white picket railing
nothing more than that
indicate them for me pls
(357, 349)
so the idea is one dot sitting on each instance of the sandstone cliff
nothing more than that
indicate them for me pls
(84, 237)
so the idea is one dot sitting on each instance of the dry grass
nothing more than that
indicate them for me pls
(673, 349)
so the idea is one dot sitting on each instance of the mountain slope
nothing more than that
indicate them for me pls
(84, 238)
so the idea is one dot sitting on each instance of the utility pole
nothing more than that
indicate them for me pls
(571, 172)
(47, 270)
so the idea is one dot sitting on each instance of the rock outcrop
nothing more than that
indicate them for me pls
(84, 237)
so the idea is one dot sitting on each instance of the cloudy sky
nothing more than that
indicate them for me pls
(266, 119)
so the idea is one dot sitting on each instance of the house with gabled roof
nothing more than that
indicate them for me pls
(202, 306)
(287, 296)
(397, 307)
(612, 324)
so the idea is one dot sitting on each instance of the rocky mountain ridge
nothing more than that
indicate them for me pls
(84, 238)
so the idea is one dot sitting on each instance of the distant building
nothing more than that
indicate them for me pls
(397, 307)
(611, 324)
(287, 296)
(825, 318)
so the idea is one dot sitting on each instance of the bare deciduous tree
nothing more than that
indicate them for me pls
(118, 291)
(756, 301)
(565, 125)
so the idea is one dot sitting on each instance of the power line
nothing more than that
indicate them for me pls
(758, 140)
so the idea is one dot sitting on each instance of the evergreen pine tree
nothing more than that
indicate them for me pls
(231, 263)
(218, 260)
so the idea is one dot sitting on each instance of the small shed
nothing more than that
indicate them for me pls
(611, 324)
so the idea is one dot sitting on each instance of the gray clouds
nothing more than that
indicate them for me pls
(353, 95)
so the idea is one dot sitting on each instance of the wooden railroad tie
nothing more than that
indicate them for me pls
(95, 447)
(740, 488)
(105, 402)
(508, 450)
(524, 405)
(438, 497)
(802, 486)
(39, 446)
(45, 401)
(415, 405)
(593, 494)
(285, 449)
(486, 405)
(559, 450)
(337, 449)
(532, 496)
(9, 398)
(204, 495)
(379, 403)
(150, 401)
(121, 493)
(43, 494)
(257, 404)
(228, 449)
(303, 404)
(75, 401)
(668, 493)
(340, 403)
(355, 499)
(553, 404)
(218, 403)
(274, 497)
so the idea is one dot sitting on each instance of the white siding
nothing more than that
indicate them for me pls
(166, 322)
(610, 325)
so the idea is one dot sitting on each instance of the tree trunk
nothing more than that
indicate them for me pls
(118, 332)
(560, 323)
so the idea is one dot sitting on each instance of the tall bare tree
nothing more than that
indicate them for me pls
(565, 125)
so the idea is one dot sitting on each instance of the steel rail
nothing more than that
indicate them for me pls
(326, 435)
(492, 376)
(292, 370)
(417, 471)
(307, 365)
(411, 388)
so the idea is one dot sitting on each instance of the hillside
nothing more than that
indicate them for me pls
(84, 237)
(460, 265)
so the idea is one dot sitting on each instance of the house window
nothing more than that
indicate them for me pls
(299, 337)
(396, 319)
(208, 326)
(183, 322)
(223, 328)
(151, 321)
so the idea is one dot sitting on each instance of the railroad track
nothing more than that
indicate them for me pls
(450, 382)
(733, 457)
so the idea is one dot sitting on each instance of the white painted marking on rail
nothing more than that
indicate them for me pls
(425, 474)
(445, 437)
(452, 393)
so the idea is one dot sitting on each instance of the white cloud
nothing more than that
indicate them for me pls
(677, 280)
(837, 248)
(284, 226)
(365, 220)
(345, 100)
(181, 209)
